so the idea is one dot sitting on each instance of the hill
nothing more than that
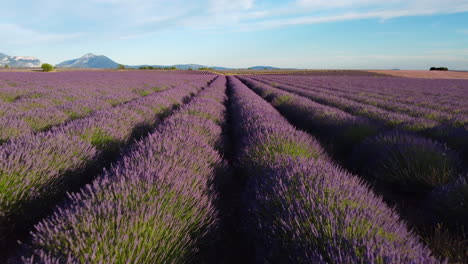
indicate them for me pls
(89, 61)
(19, 61)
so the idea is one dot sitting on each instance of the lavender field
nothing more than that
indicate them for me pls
(143, 166)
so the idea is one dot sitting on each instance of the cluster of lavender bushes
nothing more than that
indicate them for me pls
(339, 127)
(300, 207)
(441, 100)
(38, 169)
(455, 137)
(154, 206)
(34, 102)
(406, 162)
(346, 131)
(159, 203)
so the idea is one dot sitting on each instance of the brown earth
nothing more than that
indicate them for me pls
(425, 74)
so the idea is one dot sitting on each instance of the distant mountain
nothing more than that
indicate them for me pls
(221, 68)
(178, 66)
(188, 66)
(263, 68)
(197, 66)
(19, 61)
(94, 61)
(89, 61)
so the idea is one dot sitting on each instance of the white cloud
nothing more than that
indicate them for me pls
(141, 18)
(326, 4)
(17, 35)
(229, 5)
(398, 9)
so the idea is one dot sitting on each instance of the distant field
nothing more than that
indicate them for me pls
(425, 74)
(302, 72)
(276, 166)
(374, 73)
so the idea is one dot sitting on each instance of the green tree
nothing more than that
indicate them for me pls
(7, 66)
(121, 67)
(439, 69)
(46, 67)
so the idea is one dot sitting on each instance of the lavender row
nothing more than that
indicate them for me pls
(336, 126)
(369, 111)
(444, 95)
(28, 90)
(403, 162)
(154, 206)
(455, 138)
(34, 170)
(352, 93)
(69, 101)
(450, 202)
(408, 161)
(410, 100)
(301, 208)
(16, 125)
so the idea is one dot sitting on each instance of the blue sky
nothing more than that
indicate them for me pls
(362, 34)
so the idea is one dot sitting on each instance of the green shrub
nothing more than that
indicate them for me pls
(410, 162)
(438, 69)
(46, 67)
(7, 66)
(121, 67)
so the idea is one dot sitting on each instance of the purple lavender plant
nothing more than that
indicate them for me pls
(154, 206)
(40, 168)
(43, 102)
(300, 207)
(410, 162)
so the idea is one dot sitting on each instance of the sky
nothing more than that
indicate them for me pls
(312, 34)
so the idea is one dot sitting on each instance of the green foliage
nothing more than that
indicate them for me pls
(159, 89)
(147, 68)
(9, 98)
(446, 243)
(7, 66)
(204, 115)
(205, 69)
(121, 67)
(415, 166)
(282, 99)
(37, 124)
(100, 139)
(73, 115)
(273, 148)
(143, 93)
(438, 69)
(113, 102)
(46, 67)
